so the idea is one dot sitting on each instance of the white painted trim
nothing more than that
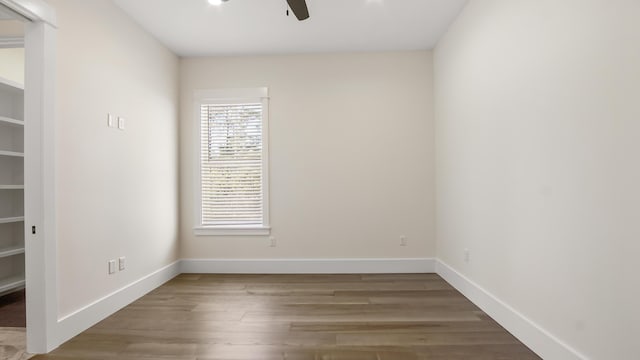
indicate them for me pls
(538, 339)
(202, 97)
(82, 319)
(11, 85)
(231, 231)
(34, 10)
(531, 334)
(40, 248)
(266, 187)
(39, 166)
(307, 266)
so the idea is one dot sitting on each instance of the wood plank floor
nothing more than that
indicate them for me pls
(13, 343)
(13, 310)
(298, 317)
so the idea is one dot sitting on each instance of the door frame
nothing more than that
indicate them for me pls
(39, 167)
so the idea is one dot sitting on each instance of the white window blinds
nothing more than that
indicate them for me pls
(232, 164)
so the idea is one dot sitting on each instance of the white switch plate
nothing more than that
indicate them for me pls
(121, 122)
(112, 266)
(272, 241)
(121, 263)
(110, 122)
(403, 240)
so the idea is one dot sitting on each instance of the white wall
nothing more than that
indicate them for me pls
(11, 28)
(538, 163)
(12, 64)
(351, 154)
(12, 59)
(116, 190)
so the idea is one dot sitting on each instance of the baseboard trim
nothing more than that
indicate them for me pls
(538, 339)
(531, 334)
(307, 266)
(82, 319)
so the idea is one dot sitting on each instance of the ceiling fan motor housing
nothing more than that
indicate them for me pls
(299, 8)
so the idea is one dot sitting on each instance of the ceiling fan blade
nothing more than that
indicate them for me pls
(299, 8)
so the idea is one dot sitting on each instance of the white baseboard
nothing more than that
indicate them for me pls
(307, 266)
(531, 334)
(538, 339)
(80, 320)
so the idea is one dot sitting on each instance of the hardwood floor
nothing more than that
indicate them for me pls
(13, 311)
(298, 317)
(13, 343)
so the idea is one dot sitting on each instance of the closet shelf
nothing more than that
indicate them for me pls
(12, 128)
(9, 121)
(15, 250)
(11, 283)
(11, 153)
(11, 220)
(11, 187)
(7, 85)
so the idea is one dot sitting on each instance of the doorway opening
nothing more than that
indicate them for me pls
(13, 317)
(28, 291)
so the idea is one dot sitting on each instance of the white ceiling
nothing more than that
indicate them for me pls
(238, 27)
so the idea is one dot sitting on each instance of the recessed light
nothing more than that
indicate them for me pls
(215, 2)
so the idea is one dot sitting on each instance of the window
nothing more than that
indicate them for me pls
(232, 176)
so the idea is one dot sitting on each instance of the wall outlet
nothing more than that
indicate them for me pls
(112, 267)
(121, 263)
(467, 255)
(272, 241)
(403, 240)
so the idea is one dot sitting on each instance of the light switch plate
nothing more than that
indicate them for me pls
(121, 263)
(121, 122)
(112, 266)
(110, 121)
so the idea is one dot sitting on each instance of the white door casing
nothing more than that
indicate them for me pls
(39, 167)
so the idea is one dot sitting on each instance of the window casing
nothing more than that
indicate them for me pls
(232, 190)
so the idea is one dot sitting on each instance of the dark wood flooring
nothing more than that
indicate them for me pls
(298, 317)
(13, 310)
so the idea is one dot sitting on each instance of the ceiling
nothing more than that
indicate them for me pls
(242, 27)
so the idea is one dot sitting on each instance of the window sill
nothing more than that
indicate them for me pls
(231, 231)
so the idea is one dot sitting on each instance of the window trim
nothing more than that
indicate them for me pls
(202, 97)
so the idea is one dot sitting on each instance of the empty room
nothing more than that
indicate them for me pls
(319, 179)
